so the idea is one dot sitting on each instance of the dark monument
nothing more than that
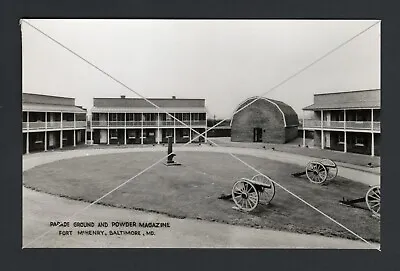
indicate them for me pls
(170, 159)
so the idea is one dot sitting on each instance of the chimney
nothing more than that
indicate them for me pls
(122, 96)
(173, 97)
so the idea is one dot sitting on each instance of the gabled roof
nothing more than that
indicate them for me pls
(33, 98)
(290, 117)
(142, 103)
(46, 103)
(152, 109)
(52, 108)
(360, 99)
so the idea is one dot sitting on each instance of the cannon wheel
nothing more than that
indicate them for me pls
(331, 168)
(316, 172)
(373, 199)
(266, 188)
(245, 195)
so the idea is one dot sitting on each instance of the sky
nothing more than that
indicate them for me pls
(223, 61)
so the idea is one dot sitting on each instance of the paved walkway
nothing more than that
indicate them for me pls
(39, 209)
(351, 160)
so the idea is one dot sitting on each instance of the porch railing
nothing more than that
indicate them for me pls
(166, 123)
(162, 123)
(80, 124)
(68, 124)
(199, 122)
(52, 125)
(355, 125)
(133, 123)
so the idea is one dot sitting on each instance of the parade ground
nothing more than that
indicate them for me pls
(60, 184)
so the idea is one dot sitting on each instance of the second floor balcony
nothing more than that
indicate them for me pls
(342, 125)
(52, 125)
(139, 124)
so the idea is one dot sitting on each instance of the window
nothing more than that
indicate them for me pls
(186, 116)
(359, 141)
(341, 116)
(149, 117)
(178, 116)
(113, 117)
(341, 139)
(195, 116)
(185, 133)
(138, 116)
(359, 116)
(129, 117)
(113, 134)
(131, 134)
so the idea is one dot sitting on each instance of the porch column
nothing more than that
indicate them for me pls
(45, 131)
(141, 137)
(91, 127)
(190, 125)
(304, 133)
(125, 130)
(27, 121)
(27, 143)
(27, 133)
(61, 131)
(345, 133)
(322, 130)
(372, 134)
(372, 120)
(158, 127)
(74, 130)
(205, 134)
(108, 128)
(174, 128)
(91, 135)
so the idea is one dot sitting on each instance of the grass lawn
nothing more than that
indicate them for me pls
(192, 191)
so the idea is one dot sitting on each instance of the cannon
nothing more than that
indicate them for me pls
(248, 193)
(319, 171)
(372, 199)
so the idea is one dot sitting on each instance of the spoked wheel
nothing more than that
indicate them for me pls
(245, 195)
(266, 188)
(316, 172)
(331, 169)
(373, 199)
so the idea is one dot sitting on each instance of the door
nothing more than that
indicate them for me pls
(327, 136)
(103, 136)
(328, 119)
(257, 135)
(52, 139)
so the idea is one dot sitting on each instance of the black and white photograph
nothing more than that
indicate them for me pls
(164, 133)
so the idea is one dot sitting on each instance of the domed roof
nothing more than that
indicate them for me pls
(290, 117)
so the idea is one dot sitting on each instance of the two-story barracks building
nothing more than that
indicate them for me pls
(136, 121)
(346, 121)
(50, 122)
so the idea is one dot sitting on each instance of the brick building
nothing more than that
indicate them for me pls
(346, 121)
(136, 121)
(50, 122)
(265, 120)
